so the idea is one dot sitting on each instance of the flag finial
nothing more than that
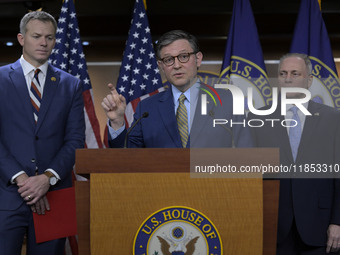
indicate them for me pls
(38, 10)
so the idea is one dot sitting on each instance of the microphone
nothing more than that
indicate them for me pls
(212, 114)
(144, 115)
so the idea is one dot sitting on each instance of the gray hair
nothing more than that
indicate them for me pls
(36, 15)
(299, 55)
(175, 35)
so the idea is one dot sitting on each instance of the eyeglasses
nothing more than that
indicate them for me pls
(183, 58)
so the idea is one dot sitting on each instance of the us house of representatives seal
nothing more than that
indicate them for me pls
(177, 230)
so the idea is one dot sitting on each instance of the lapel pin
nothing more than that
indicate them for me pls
(316, 114)
(53, 79)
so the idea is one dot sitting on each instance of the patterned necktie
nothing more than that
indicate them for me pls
(35, 93)
(295, 132)
(182, 120)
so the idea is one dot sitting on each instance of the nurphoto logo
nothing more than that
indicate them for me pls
(239, 100)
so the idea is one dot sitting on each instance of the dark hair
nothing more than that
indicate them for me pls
(299, 55)
(175, 35)
(36, 15)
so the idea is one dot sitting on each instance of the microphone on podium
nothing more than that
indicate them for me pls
(144, 115)
(212, 114)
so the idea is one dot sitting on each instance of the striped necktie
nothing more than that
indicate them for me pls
(182, 120)
(295, 132)
(35, 93)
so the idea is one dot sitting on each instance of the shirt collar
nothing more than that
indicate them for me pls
(289, 106)
(27, 67)
(190, 93)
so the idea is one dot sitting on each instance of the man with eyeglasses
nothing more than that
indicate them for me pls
(174, 118)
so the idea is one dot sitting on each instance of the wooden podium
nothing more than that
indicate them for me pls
(127, 185)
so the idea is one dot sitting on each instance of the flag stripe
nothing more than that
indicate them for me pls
(93, 138)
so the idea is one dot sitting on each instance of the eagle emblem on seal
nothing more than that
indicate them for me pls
(189, 247)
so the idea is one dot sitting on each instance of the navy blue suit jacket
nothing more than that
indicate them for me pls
(159, 129)
(51, 143)
(313, 202)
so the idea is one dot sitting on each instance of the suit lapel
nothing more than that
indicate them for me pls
(282, 135)
(166, 111)
(308, 128)
(51, 84)
(19, 82)
(200, 121)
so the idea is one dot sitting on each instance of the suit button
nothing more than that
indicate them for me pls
(36, 138)
(33, 160)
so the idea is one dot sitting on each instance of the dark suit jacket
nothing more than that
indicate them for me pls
(51, 143)
(160, 129)
(313, 202)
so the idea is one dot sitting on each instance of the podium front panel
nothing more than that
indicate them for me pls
(121, 202)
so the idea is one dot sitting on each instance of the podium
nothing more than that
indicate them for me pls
(128, 185)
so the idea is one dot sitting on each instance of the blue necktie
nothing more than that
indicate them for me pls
(295, 132)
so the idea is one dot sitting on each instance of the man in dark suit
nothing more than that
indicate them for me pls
(41, 126)
(309, 206)
(179, 58)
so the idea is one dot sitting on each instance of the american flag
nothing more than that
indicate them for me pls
(139, 75)
(68, 55)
